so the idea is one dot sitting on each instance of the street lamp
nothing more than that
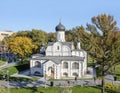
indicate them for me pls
(45, 75)
(8, 81)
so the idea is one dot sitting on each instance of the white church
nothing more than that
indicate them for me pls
(60, 59)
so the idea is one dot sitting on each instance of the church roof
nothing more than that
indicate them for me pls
(69, 44)
(58, 59)
(60, 27)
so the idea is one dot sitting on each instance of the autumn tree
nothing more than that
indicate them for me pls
(21, 46)
(103, 42)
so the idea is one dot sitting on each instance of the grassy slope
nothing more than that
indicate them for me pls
(2, 63)
(118, 72)
(77, 89)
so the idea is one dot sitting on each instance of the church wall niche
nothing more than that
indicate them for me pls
(57, 49)
(66, 51)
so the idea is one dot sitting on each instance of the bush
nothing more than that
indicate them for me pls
(2, 90)
(111, 86)
(19, 79)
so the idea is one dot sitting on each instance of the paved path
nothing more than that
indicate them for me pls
(46, 83)
(62, 83)
(8, 65)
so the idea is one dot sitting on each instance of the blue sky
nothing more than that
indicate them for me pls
(17, 15)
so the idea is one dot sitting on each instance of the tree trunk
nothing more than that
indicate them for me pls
(103, 78)
(103, 82)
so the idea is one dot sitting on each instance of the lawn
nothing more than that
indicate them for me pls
(76, 89)
(2, 62)
(15, 69)
(118, 72)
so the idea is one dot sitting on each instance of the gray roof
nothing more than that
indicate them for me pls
(69, 44)
(60, 27)
(58, 59)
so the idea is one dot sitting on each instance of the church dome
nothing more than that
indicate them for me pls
(60, 27)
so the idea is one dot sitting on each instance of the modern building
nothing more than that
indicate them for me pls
(60, 59)
(5, 34)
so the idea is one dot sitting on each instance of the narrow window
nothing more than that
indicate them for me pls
(75, 65)
(57, 47)
(37, 64)
(65, 65)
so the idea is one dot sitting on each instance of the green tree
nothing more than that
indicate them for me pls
(8, 39)
(38, 37)
(103, 42)
(21, 46)
(51, 37)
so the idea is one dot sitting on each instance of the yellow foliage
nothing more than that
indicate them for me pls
(111, 86)
(21, 46)
(2, 90)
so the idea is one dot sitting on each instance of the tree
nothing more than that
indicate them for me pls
(21, 46)
(51, 37)
(8, 39)
(103, 42)
(38, 37)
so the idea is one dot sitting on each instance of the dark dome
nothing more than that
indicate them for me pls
(60, 27)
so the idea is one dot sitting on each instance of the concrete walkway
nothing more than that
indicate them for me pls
(45, 83)
(8, 65)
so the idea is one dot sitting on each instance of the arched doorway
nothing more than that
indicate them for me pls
(51, 71)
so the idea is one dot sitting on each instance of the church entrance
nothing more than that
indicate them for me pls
(52, 73)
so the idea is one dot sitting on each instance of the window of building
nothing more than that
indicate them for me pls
(75, 74)
(65, 74)
(58, 48)
(3, 34)
(75, 65)
(37, 73)
(65, 65)
(37, 64)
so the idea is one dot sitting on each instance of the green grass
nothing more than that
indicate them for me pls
(118, 72)
(15, 69)
(2, 62)
(76, 89)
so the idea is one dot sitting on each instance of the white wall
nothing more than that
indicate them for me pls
(58, 50)
(60, 36)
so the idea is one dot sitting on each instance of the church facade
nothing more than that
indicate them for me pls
(60, 59)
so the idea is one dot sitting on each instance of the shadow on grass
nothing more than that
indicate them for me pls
(118, 74)
(21, 66)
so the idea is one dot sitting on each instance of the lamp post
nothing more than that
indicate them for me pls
(45, 76)
(8, 81)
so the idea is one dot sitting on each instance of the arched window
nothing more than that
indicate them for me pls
(75, 74)
(75, 65)
(65, 65)
(37, 73)
(58, 48)
(37, 64)
(65, 74)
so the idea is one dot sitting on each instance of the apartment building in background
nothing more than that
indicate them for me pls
(5, 34)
